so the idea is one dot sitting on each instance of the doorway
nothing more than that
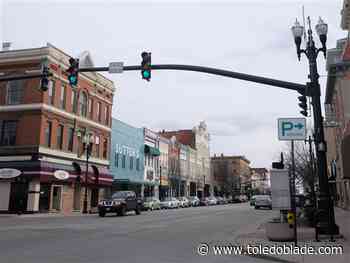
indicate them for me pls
(94, 197)
(18, 197)
(56, 197)
(44, 201)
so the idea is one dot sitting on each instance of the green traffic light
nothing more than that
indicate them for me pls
(146, 74)
(72, 80)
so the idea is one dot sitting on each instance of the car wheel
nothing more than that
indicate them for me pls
(152, 208)
(137, 210)
(256, 207)
(101, 214)
(122, 211)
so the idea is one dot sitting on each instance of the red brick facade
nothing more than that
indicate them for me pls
(70, 119)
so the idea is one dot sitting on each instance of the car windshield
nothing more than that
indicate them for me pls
(120, 195)
(149, 199)
(167, 199)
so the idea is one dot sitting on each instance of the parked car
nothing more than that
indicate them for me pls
(120, 203)
(169, 203)
(235, 199)
(194, 200)
(263, 201)
(221, 200)
(176, 202)
(151, 203)
(204, 201)
(166, 203)
(252, 200)
(213, 200)
(184, 202)
(243, 198)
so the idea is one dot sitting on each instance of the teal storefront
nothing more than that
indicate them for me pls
(127, 157)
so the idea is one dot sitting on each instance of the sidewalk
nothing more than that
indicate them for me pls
(306, 236)
(46, 215)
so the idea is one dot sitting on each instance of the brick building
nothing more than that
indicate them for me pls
(41, 133)
(231, 175)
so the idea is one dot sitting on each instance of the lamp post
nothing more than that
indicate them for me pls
(160, 182)
(88, 140)
(325, 204)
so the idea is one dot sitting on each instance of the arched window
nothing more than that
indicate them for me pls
(83, 104)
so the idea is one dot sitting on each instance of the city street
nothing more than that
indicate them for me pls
(158, 236)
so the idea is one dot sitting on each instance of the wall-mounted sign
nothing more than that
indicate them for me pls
(7, 173)
(130, 151)
(61, 175)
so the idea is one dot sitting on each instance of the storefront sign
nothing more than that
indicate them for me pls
(61, 175)
(7, 173)
(130, 151)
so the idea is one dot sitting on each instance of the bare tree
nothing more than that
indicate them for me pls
(305, 172)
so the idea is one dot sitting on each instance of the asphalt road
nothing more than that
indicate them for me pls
(164, 236)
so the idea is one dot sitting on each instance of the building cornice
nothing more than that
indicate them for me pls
(56, 55)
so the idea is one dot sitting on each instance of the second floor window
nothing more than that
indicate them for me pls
(99, 111)
(14, 92)
(48, 131)
(131, 162)
(138, 164)
(116, 159)
(63, 97)
(83, 104)
(8, 133)
(123, 161)
(105, 145)
(51, 92)
(70, 139)
(74, 101)
(107, 116)
(91, 107)
(60, 137)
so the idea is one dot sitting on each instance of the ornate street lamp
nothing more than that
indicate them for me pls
(88, 141)
(325, 207)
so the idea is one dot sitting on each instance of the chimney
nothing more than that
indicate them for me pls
(6, 46)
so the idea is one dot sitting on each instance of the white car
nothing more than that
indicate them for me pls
(263, 201)
(169, 202)
(212, 200)
(184, 202)
(176, 203)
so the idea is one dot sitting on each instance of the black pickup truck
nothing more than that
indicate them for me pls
(120, 203)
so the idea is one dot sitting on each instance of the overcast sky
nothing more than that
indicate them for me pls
(246, 36)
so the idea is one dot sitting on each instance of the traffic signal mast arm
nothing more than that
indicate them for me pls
(226, 73)
(25, 76)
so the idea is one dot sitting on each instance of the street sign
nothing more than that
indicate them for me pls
(116, 67)
(291, 129)
(280, 189)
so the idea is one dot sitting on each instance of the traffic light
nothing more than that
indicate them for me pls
(146, 65)
(303, 105)
(44, 84)
(73, 71)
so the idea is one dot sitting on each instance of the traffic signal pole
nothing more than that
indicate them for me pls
(214, 71)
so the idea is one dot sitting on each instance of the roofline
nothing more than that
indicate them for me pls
(44, 51)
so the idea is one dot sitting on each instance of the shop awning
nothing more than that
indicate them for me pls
(151, 150)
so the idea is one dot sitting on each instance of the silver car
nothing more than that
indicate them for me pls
(262, 201)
